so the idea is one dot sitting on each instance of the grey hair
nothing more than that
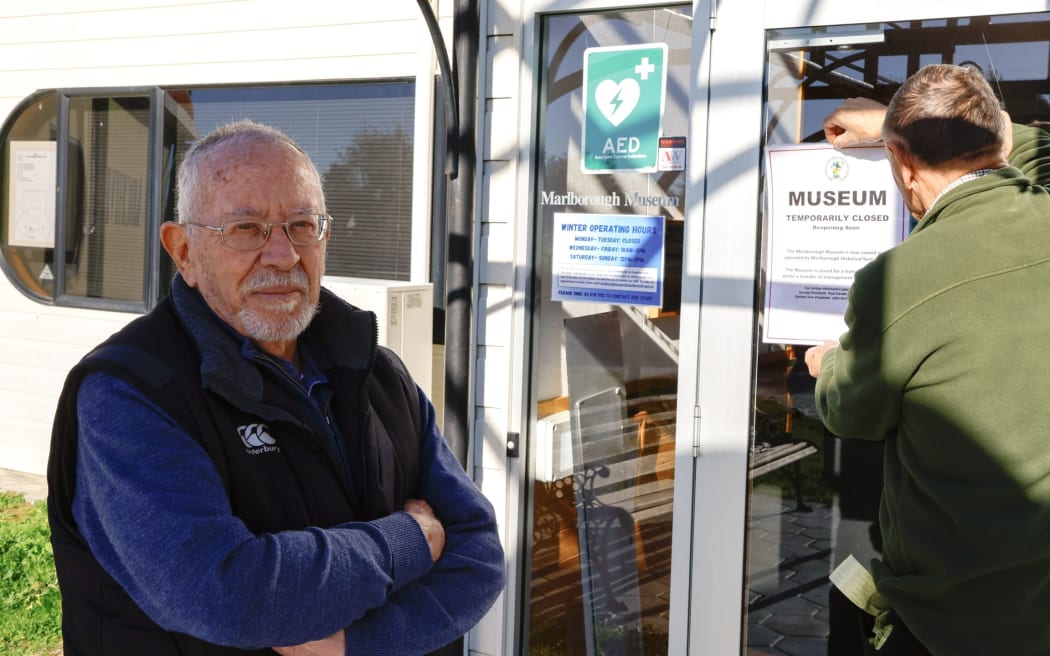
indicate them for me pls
(946, 113)
(187, 186)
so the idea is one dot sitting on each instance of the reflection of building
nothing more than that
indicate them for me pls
(651, 464)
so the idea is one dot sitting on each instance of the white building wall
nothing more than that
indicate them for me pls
(38, 345)
(71, 43)
(47, 44)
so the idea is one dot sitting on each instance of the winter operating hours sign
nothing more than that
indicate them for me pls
(623, 99)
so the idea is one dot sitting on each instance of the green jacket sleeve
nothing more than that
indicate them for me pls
(854, 393)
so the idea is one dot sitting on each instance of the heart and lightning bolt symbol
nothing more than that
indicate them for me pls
(616, 100)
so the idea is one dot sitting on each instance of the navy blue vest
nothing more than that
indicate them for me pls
(280, 477)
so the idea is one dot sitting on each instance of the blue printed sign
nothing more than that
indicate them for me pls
(623, 99)
(608, 258)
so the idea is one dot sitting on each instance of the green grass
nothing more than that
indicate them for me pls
(30, 604)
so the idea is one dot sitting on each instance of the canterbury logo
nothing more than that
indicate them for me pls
(257, 439)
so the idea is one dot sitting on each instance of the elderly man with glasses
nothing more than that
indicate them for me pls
(244, 469)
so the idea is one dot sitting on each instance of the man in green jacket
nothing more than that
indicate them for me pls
(945, 359)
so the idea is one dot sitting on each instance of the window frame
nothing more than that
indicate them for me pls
(150, 292)
(153, 287)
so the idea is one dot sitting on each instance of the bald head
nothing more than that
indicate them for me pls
(191, 188)
(946, 115)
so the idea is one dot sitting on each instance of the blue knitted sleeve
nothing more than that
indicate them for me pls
(465, 581)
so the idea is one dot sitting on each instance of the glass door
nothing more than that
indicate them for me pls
(821, 505)
(807, 498)
(609, 232)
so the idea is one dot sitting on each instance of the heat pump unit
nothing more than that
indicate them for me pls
(405, 313)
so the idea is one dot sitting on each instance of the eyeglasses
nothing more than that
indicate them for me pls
(251, 234)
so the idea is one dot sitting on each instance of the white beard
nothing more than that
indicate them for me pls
(281, 321)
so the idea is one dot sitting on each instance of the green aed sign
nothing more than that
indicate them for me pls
(623, 100)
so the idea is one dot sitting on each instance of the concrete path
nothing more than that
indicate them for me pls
(33, 486)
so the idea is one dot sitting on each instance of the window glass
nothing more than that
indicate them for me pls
(816, 498)
(107, 172)
(605, 349)
(360, 137)
(27, 196)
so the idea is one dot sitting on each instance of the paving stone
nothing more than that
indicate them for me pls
(824, 615)
(817, 532)
(759, 616)
(772, 583)
(810, 570)
(799, 538)
(789, 551)
(759, 534)
(794, 552)
(797, 626)
(820, 545)
(802, 647)
(762, 636)
(813, 519)
(763, 545)
(794, 607)
(818, 595)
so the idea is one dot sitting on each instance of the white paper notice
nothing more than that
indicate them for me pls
(830, 213)
(31, 205)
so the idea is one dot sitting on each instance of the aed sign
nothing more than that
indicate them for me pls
(623, 100)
